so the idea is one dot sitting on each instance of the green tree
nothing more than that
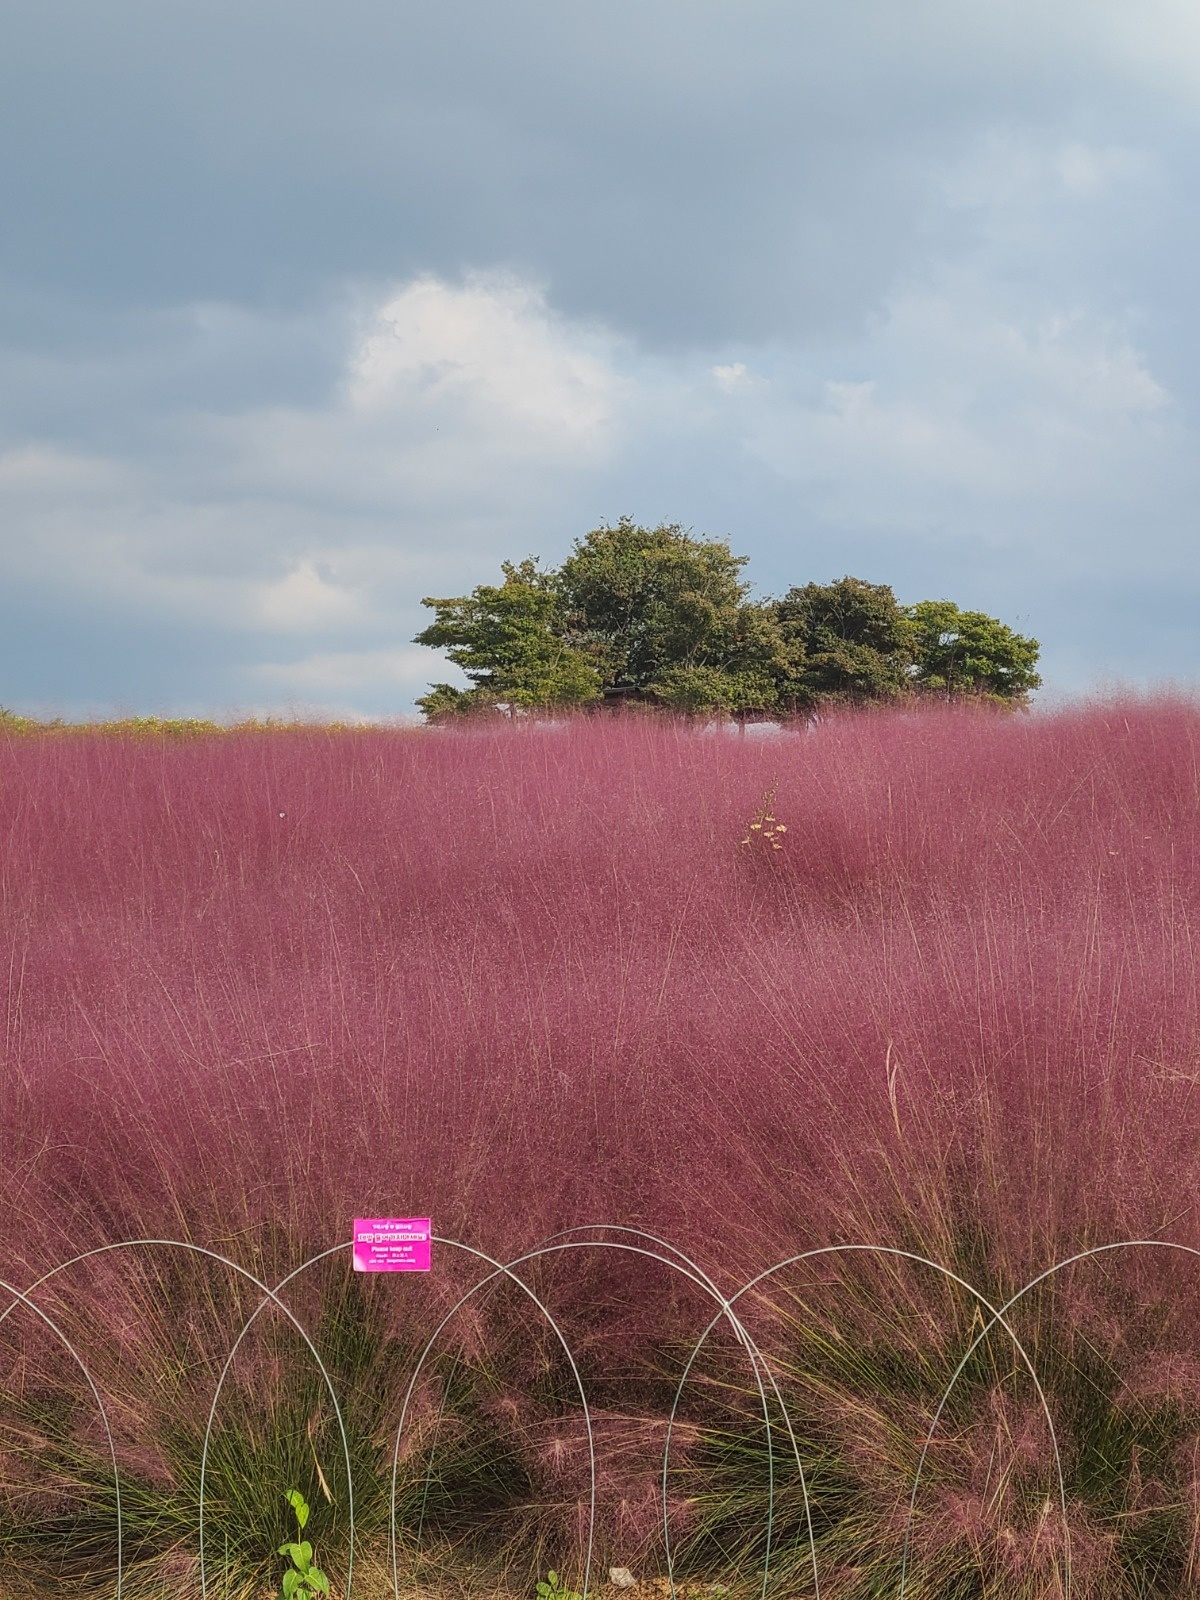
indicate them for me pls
(656, 615)
(846, 642)
(665, 616)
(508, 639)
(965, 653)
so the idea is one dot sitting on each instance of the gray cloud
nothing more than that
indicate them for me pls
(307, 314)
(685, 170)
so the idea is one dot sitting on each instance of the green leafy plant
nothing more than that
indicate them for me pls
(301, 1580)
(552, 1589)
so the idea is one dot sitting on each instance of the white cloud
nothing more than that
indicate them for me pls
(305, 600)
(462, 409)
(459, 402)
(970, 400)
(733, 376)
(490, 351)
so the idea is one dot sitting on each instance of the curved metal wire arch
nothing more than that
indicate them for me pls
(22, 1298)
(907, 1255)
(697, 1274)
(698, 1277)
(321, 1255)
(1068, 1261)
(500, 1270)
(215, 1255)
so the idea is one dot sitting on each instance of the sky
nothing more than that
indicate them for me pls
(310, 311)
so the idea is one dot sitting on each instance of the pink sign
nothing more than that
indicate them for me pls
(391, 1244)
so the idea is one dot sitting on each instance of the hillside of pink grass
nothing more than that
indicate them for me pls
(526, 979)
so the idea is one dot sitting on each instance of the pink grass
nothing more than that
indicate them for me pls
(527, 978)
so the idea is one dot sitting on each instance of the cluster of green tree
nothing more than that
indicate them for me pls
(655, 615)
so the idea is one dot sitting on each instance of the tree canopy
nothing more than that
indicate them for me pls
(657, 616)
(509, 640)
(965, 652)
(849, 643)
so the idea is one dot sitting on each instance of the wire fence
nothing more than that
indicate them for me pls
(784, 1451)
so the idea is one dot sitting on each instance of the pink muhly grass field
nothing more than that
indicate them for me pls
(527, 978)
